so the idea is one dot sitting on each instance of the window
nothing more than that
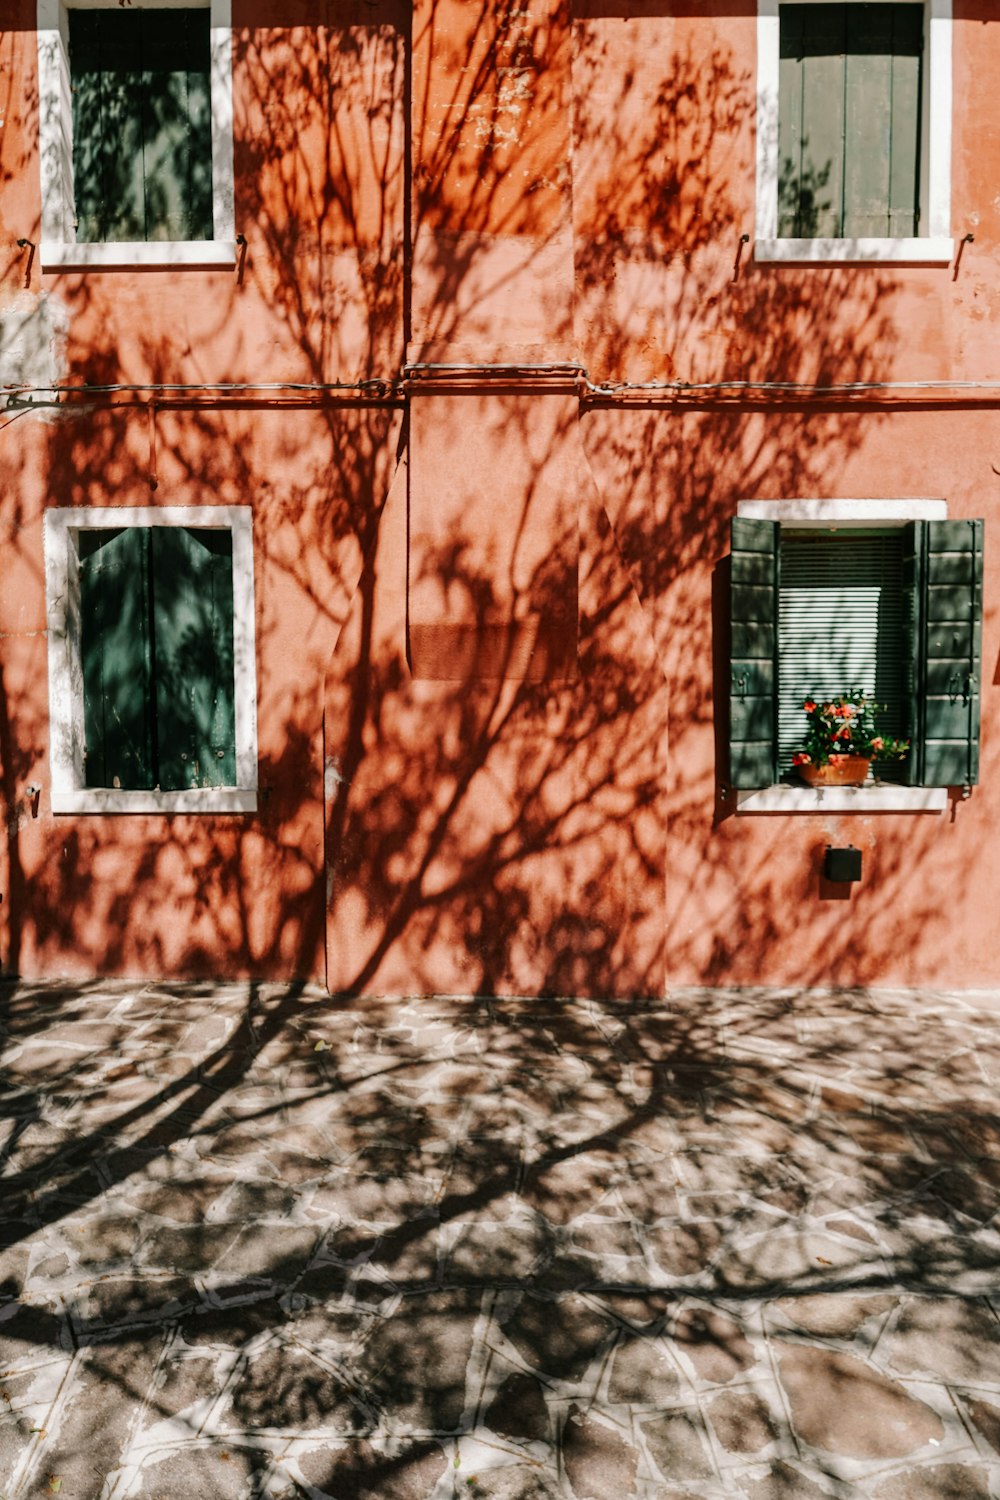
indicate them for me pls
(136, 134)
(841, 625)
(854, 130)
(151, 659)
(142, 140)
(828, 596)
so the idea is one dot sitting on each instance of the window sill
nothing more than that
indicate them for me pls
(167, 254)
(215, 799)
(934, 250)
(874, 798)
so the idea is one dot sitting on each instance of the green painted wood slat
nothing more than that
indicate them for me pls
(849, 119)
(907, 89)
(142, 150)
(105, 71)
(753, 637)
(193, 615)
(952, 652)
(115, 652)
(177, 144)
(868, 107)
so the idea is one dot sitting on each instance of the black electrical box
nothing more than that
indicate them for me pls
(842, 864)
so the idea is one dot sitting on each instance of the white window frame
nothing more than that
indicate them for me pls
(59, 249)
(69, 792)
(936, 246)
(856, 515)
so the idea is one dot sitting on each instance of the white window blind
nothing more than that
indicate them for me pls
(841, 625)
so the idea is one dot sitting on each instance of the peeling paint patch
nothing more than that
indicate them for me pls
(33, 330)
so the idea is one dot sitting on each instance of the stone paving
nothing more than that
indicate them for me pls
(259, 1242)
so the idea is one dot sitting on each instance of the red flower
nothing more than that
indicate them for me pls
(809, 706)
(801, 758)
(877, 742)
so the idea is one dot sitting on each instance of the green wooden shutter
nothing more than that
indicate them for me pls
(193, 620)
(142, 136)
(115, 652)
(841, 625)
(88, 131)
(913, 607)
(882, 107)
(907, 92)
(177, 124)
(849, 92)
(753, 640)
(868, 106)
(811, 119)
(790, 70)
(105, 69)
(951, 652)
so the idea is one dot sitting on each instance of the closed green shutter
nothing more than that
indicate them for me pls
(142, 148)
(906, 89)
(841, 625)
(115, 653)
(849, 120)
(951, 554)
(177, 124)
(753, 641)
(106, 74)
(811, 120)
(193, 615)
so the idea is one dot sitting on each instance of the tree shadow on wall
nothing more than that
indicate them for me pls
(520, 823)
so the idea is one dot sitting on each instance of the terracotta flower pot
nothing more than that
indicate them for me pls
(840, 770)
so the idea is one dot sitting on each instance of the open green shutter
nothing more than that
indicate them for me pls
(951, 652)
(753, 639)
(913, 608)
(115, 652)
(193, 615)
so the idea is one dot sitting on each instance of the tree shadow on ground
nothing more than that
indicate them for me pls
(439, 1220)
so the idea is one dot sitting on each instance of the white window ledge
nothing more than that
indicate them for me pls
(938, 251)
(822, 515)
(873, 798)
(210, 799)
(195, 254)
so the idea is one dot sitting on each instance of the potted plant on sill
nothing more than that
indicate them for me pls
(841, 740)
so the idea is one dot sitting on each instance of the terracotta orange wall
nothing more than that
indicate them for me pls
(319, 132)
(490, 627)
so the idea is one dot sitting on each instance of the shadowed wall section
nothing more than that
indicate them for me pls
(496, 817)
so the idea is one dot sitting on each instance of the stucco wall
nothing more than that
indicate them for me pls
(490, 607)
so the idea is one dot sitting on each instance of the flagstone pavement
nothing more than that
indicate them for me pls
(259, 1242)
